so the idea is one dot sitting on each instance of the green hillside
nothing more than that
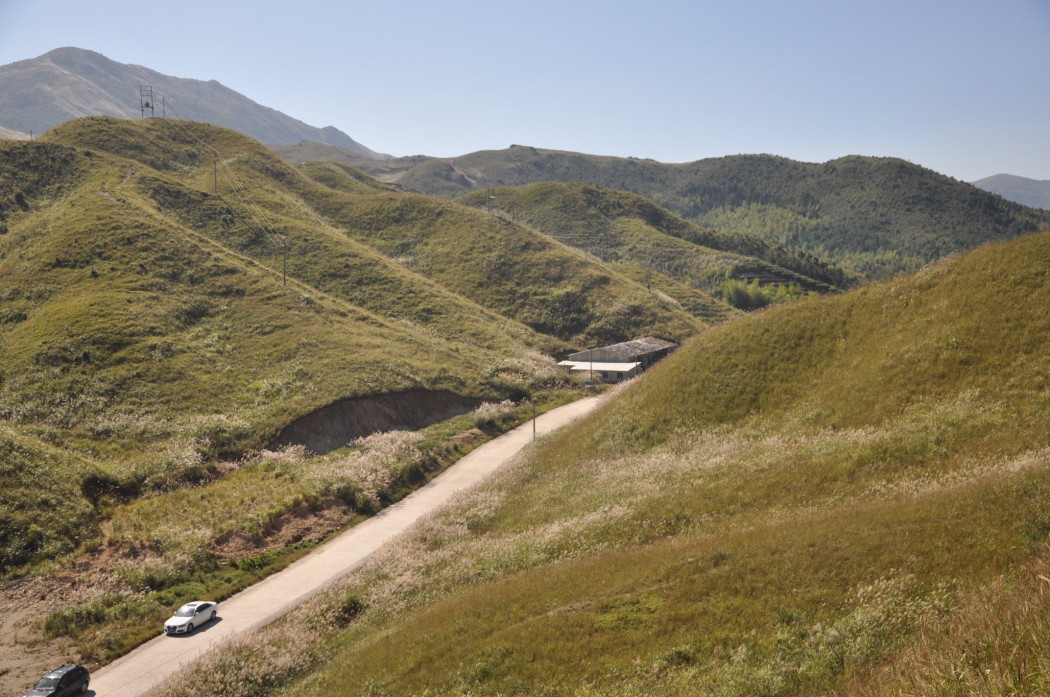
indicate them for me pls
(337, 241)
(644, 239)
(136, 349)
(875, 216)
(176, 295)
(845, 495)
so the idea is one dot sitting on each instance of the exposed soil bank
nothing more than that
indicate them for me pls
(339, 423)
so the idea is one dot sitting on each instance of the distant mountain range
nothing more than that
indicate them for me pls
(68, 83)
(877, 216)
(1028, 192)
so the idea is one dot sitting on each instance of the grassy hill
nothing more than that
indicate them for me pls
(137, 349)
(647, 241)
(846, 495)
(510, 270)
(875, 216)
(175, 295)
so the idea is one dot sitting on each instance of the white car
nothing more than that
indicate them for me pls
(191, 615)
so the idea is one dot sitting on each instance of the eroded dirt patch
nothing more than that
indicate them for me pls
(302, 524)
(339, 423)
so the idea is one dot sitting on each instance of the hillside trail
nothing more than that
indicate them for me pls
(153, 663)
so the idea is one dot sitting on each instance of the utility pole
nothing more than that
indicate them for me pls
(533, 418)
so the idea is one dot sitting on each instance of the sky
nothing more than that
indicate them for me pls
(959, 86)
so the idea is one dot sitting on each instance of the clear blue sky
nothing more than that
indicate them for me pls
(960, 86)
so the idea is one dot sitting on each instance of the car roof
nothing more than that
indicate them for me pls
(61, 670)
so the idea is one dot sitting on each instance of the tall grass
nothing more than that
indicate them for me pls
(996, 643)
(814, 499)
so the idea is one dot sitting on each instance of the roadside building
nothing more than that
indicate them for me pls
(619, 361)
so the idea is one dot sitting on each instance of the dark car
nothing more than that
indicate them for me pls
(62, 681)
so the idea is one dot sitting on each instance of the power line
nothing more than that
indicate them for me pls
(254, 210)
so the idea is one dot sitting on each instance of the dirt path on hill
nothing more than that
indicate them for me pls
(156, 661)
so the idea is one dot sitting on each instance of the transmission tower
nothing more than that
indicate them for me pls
(146, 101)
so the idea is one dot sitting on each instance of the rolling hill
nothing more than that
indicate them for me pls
(846, 495)
(656, 246)
(136, 349)
(68, 83)
(875, 216)
(176, 294)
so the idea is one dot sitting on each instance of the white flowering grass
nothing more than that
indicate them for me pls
(702, 510)
(372, 468)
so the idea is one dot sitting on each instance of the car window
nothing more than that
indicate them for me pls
(46, 683)
(184, 611)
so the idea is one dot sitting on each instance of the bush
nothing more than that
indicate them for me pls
(350, 608)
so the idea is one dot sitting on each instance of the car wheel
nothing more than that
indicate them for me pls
(83, 688)
(189, 628)
(213, 615)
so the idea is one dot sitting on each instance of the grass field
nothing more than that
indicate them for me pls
(848, 495)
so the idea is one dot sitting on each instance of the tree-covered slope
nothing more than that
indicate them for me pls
(877, 216)
(639, 236)
(844, 495)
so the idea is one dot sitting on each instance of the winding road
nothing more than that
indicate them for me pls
(153, 663)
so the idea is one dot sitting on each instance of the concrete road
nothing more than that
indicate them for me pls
(152, 664)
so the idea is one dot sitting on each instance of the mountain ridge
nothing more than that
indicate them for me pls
(878, 216)
(1023, 190)
(65, 83)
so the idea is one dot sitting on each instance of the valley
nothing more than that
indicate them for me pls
(216, 359)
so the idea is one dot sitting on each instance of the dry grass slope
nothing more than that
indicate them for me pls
(815, 499)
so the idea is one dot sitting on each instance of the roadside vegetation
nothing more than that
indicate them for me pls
(261, 513)
(847, 495)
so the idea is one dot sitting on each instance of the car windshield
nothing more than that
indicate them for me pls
(185, 611)
(46, 683)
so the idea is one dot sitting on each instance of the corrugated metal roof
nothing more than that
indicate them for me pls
(629, 349)
(603, 367)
